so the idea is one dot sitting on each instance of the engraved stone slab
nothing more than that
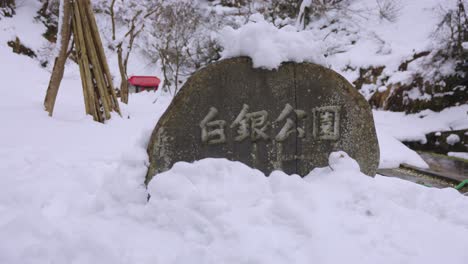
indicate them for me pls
(288, 119)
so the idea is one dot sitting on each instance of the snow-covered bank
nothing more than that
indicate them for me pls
(72, 192)
(217, 211)
(460, 155)
(393, 152)
(414, 127)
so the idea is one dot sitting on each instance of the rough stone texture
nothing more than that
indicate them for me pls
(329, 115)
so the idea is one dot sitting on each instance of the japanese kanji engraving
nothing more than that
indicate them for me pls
(251, 124)
(326, 124)
(212, 131)
(290, 126)
(255, 125)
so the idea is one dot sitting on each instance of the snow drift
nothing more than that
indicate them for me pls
(218, 211)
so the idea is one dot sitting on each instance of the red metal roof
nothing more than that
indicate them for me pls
(145, 81)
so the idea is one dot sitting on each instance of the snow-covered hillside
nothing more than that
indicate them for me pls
(71, 189)
(399, 54)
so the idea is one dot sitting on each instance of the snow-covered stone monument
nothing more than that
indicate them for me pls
(288, 119)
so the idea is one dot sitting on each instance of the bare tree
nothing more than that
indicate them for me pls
(453, 30)
(318, 8)
(175, 30)
(284, 8)
(125, 44)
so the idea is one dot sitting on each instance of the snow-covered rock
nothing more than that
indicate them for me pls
(453, 139)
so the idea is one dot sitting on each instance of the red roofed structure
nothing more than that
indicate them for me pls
(143, 83)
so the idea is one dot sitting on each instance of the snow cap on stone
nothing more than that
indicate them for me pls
(269, 46)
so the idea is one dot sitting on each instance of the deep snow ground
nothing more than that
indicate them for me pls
(71, 192)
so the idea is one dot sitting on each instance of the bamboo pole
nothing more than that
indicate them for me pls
(59, 64)
(81, 66)
(96, 69)
(102, 55)
(98, 90)
(86, 76)
(99, 114)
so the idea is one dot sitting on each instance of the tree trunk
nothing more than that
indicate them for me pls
(59, 65)
(111, 9)
(123, 62)
(123, 76)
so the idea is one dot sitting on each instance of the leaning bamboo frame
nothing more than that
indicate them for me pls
(99, 95)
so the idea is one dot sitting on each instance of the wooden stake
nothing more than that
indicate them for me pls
(85, 72)
(98, 90)
(102, 55)
(59, 64)
(96, 69)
